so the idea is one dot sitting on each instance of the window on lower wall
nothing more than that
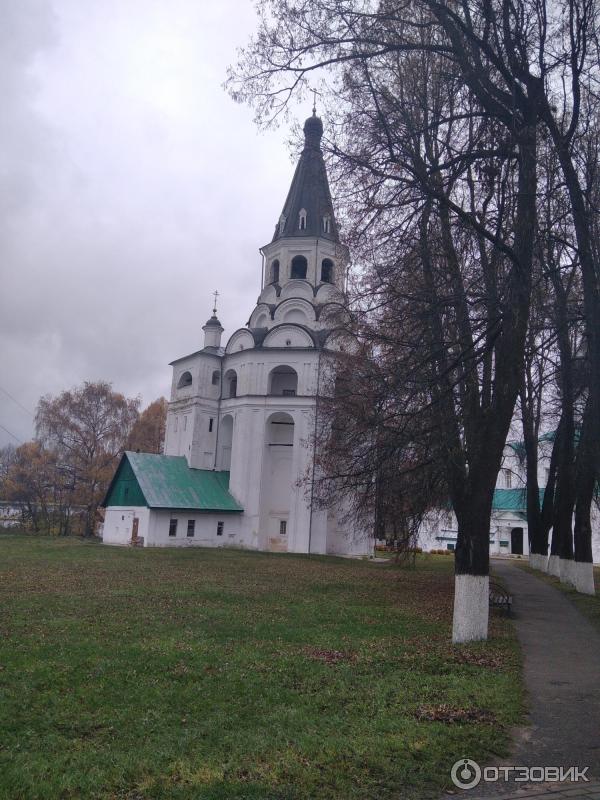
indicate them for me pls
(172, 527)
(220, 528)
(210, 425)
(191, 528)
(283, 527)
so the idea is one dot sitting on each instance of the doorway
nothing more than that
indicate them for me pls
(516, 541)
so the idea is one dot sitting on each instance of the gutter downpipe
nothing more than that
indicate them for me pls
(218, 416)
(312, 487)
(262, 269)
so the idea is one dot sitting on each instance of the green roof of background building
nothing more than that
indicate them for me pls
(168, 482)
(511, 499)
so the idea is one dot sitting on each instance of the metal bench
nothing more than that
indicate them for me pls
(500, 598)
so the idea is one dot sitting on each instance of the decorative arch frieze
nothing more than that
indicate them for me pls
(242, 339)
(289, 335)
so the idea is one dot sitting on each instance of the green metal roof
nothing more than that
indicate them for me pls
(168, 482)
(512, 499)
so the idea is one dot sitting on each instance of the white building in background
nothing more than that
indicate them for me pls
(246, 411)
(508, 524)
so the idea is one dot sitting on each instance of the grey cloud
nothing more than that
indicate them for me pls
(131, 187)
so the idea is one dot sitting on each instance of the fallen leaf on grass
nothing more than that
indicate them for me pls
(451, 714)
(328, 656)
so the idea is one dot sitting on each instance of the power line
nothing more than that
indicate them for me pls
(14, 399)
(11, 434)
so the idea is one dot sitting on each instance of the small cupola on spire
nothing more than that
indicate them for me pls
(213, 329)
(308, 210)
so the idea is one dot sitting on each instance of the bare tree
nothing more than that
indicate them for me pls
(441, 139)
(87, 429)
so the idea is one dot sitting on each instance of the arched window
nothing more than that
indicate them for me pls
(215, 378)
(280, 430)
(299, 267)
(327, 270)
(185, 380)
(282, 220)
(275, 271)
(326, 224)
(230, 383)
(302, 219)
(283, 381)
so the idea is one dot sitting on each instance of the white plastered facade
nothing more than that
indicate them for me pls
(508, 527)
(249, 407)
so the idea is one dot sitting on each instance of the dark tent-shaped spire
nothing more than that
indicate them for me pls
(308, 210)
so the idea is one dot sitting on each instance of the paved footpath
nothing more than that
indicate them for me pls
(561, 651)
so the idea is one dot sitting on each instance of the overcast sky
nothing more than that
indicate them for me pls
(131, 187)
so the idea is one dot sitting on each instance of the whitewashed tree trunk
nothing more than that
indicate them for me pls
(554, 566)
(537, 561)
(471, 608)
(566, 571)
(583, 577)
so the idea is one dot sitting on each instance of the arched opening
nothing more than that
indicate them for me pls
(185, 380)
(299, 267)
(215, 378)
(275, 271)
(283, 381)
(225, 443)
(278, 483)
(280, 430)
(327, 270)
(295, 315)
(230, 383)
(302, 219)
(326, 224)
(516, 541)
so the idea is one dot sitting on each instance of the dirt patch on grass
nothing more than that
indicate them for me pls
(451, 715)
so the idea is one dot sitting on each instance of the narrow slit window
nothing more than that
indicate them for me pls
(283, 527)
(327, 270)
(220, 528)
(210, 425)
(191, 527)
(275, 271)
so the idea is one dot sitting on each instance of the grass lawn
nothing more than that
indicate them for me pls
(202, 674)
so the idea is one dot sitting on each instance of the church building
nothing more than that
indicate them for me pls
(239, 466)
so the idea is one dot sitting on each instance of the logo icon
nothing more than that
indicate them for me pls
(465, 773)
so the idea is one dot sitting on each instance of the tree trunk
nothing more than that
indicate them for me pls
(471, 582)
(583, 568)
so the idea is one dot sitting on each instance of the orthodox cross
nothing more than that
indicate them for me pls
(215, 295)
(314, 110)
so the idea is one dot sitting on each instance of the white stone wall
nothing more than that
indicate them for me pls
(205, 530)
(272, 483)
(153, 528)
(118, 524)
